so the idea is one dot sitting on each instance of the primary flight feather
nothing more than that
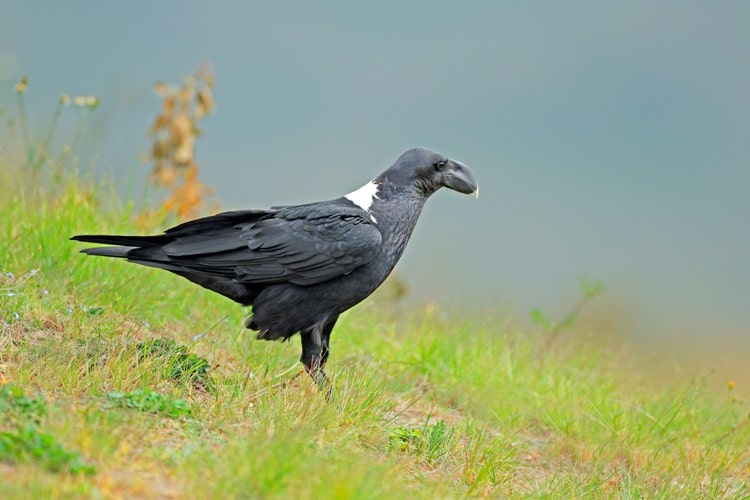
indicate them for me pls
(301, 266)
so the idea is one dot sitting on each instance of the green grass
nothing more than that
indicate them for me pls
(149, 401)
(22, 442)
(126, 381)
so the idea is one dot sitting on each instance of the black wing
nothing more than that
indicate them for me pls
(303, 245)
(307, 247)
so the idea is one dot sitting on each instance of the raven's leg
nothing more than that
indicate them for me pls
(315, 350)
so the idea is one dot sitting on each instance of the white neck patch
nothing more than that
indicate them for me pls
(364, 196)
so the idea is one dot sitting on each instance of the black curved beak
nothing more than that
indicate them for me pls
(459, 178)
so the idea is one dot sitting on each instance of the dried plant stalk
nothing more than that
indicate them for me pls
(174, 134)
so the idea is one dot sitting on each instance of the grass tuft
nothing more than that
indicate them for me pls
(16, 406)
(177, 362)
(29, 445)
(433, 442)
(146, 400)
(21, 441)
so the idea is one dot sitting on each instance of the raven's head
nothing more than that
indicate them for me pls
(426, 171)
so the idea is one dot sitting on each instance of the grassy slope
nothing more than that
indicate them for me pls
(424, 405)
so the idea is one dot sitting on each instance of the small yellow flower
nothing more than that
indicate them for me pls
(64, 99)
(79, 100)
(92, 101)
(730, 384)
(22, 84)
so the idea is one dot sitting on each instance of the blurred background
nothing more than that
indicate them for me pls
(611, 140)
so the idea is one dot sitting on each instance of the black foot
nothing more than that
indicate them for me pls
(321, 380)
(315, 352)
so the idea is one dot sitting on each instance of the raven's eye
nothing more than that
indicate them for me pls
(439, 165)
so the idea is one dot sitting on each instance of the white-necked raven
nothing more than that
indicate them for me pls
(301, 266)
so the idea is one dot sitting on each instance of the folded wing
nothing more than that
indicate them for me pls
(303, 245)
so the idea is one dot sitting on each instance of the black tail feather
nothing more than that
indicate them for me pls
(124, 240)
(121, 252)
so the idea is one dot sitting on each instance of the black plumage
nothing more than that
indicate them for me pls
(301, 266)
